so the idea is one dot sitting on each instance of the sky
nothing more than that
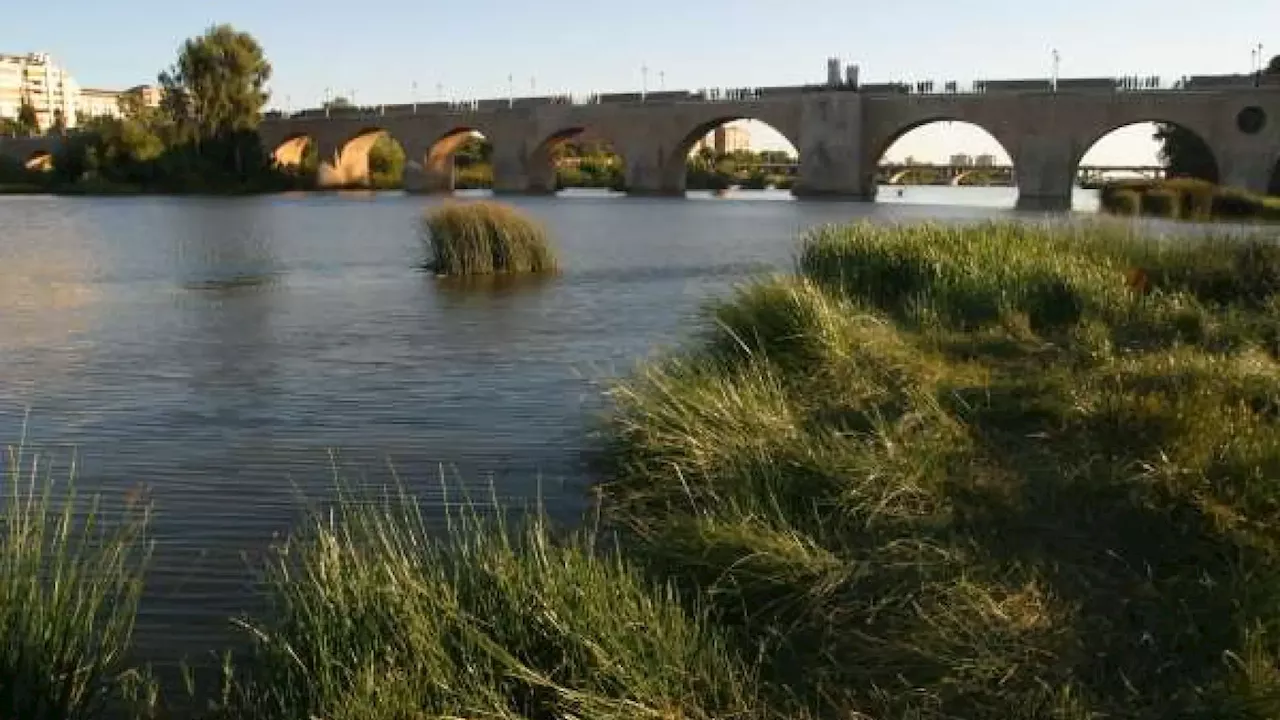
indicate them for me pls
(378, 51)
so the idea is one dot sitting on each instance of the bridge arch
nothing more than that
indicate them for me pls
(291, 151)
(578, 156)
(945, 150)
(687, 168)
(369, 157)
(1142, 150)
(458, 158)
(39, 161)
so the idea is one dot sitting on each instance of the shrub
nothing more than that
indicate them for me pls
(482, 238)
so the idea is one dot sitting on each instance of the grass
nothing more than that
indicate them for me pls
(379, 615)
(72, 578)
(484, 238)
(1000, 471)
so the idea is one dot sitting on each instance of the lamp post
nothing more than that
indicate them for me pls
(1054, 80)
(328, 100)
(415, 97)
(511, 90)
(662, 80)
(644, 81)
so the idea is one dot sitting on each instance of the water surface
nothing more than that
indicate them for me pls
(216, 350)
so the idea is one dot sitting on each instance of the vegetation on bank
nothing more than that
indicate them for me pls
(985, 471)
(486, 238)
(1187, 199)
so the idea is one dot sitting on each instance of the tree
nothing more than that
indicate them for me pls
(338, 103)
(1185, 154)
(217, 87)
(59, 126)
(386, 163)
(28, 121)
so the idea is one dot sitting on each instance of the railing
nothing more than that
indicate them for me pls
(1128, 83)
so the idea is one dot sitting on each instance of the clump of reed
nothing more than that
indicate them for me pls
(485, 237)
(982, 471)
(71, 577)
(378, 614)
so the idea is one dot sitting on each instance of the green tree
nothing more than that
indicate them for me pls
(1273, 67)
(386, 163)
(218, 86)
(28, 121)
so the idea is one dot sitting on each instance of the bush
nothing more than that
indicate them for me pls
(481, 238)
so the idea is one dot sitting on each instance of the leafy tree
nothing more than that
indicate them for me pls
(217, 87)
(475, 151)
(59, 126)
(28, 121)
(386, 163)
(1273, 67)
(10, 127)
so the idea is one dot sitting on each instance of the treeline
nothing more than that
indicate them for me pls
(201, 138)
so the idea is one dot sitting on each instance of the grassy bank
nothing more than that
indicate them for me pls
(1187, 199)
(994, 471)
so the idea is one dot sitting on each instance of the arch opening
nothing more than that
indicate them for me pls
(298, 158)
(946, 162)
(735, 153)
(574, 159)
(39, 161)
(1120, 168)
(372, 158)
(461, 159)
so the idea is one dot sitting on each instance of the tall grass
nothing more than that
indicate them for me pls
(483, 238)
(997, 471)
(71, 576)
(376, 614)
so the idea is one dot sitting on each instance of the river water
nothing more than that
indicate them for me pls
(216, 353)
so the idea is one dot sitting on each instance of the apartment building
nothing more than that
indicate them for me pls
(37, 80)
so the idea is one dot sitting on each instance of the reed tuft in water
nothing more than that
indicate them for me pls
(71, 576)
(484, 238)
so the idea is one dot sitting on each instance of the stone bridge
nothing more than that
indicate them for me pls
(840, 134)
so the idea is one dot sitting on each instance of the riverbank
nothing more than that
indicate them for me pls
(1187, 199)
(988, 471)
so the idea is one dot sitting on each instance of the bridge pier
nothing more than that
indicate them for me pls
(1247, 165)
(1045, 172)
(833, 159)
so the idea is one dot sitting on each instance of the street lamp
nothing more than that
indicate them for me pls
(414, 97)
(1056, 60)
(511, 90)
(662, 80)
(328, 100)
(644, 81)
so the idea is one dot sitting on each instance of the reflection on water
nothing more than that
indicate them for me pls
(215, 350)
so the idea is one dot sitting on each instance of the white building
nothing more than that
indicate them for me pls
(35, 79)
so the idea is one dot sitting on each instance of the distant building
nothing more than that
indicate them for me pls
(985, 160)
(725, 139)
(35, 79)
(834, 70)
(961, 160)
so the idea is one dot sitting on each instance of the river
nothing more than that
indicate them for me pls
(214, 351)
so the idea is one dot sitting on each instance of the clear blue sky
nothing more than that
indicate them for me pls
(380, 48)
